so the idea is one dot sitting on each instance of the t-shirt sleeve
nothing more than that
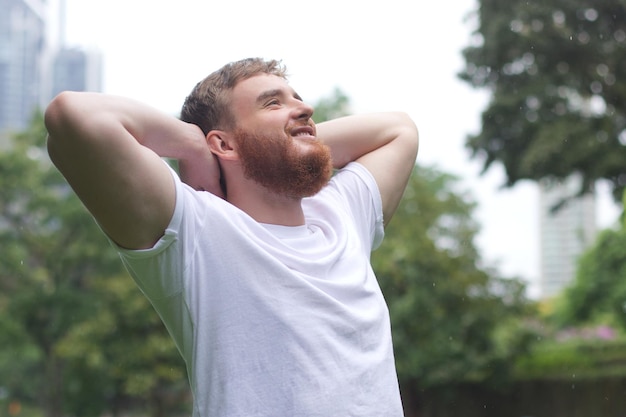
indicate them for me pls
(358, 185)
(158, 270)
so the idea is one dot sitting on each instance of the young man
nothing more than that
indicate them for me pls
(257, 261)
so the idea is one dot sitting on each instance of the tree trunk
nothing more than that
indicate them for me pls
(52, 391)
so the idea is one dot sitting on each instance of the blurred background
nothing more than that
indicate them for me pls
(504, 269)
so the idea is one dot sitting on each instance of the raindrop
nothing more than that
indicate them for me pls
(563, 92)
(602, 70)
(591, 14)
(528, 59)
(532, 116)
(537, 25)
(517, 26)
(609, 79)
(583, 37)
(596, 87)
(558, 17)
(533, 102)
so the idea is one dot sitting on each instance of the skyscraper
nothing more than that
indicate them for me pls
(565, 233)
(22, 54)
(77, 70)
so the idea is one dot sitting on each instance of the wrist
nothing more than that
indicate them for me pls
(190, 144)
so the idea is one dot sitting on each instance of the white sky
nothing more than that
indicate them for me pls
(385, 55)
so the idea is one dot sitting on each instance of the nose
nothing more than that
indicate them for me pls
(303, 110)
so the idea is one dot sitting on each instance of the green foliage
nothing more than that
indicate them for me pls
(598, 294)
(573, 360)
(600, 286)
(555, 71)
(125, 349)
(584, 334)
(38, 224)
(452, 321)
(328, 108)
(76, 335)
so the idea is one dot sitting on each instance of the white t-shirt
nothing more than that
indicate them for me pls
(274, 320)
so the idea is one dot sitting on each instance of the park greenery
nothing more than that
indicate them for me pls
(77, 337)
(557, 81)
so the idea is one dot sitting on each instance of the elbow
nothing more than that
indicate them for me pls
(58, 120)
(60, 116)
(57, 111)
(408, 134)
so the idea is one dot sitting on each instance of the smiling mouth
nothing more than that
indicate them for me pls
(304, 132)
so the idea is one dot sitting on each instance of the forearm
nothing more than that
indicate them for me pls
(94, 117)
(352, 137)
(88, 124)
(384, 143)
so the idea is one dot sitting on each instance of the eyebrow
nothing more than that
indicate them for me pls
(276, 92)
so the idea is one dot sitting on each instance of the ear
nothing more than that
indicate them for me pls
(221, 144)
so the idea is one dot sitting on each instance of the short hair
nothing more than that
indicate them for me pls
(208, 104)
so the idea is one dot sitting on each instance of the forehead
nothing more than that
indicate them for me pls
(247, 92)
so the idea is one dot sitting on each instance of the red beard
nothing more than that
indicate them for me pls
(279, 164)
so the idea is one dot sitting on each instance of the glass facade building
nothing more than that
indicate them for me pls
(565, 233)
(22, 60)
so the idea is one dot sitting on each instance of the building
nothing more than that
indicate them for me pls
(33, 68)
(22, 59)
(565, 233)
(76, 70)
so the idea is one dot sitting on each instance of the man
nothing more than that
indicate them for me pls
(258, 261)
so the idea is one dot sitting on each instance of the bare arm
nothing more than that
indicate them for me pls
(109, 148)
(385, 143)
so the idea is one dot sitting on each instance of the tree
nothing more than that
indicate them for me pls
(452, 320)
(557, 76)
(59, 285)
(76, 334)
(598, 294)
(332, 107)
(40, 296)
(599, 291)
(122, 356)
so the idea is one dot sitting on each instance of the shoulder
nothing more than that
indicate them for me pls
(354, 192)
(357, 183)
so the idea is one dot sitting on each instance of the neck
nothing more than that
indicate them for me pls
(266, 206)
